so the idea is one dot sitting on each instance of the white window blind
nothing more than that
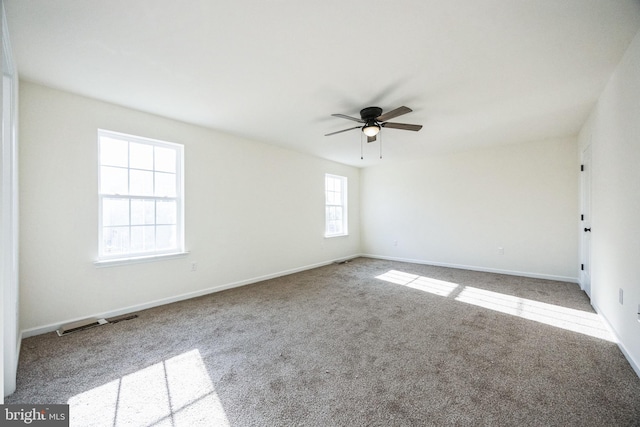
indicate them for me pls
(140, 192)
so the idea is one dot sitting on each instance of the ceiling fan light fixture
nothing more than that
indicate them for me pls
(371, 129)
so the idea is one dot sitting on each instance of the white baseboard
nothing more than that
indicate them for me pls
(477, 268)
(126, 310)
(634, 363)
(138, 307)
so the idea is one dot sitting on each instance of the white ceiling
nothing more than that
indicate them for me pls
(475, 72)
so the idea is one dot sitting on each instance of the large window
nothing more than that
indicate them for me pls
(335, 205)
(140, 190)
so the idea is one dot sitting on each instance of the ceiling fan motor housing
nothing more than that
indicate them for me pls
(370, 113)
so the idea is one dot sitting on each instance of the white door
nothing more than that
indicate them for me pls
(585, 223)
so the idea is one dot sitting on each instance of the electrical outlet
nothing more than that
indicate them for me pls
(500, 250)
(395, 243)
(194, 266)
(621, 296)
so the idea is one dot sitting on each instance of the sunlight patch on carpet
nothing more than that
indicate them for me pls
(175, 392)
(427, 284)
(579, 321)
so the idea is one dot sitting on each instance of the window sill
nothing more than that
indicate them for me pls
(331, 236)
(138, 260)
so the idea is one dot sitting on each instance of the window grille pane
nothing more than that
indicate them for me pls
(115, 211)
(113, 180)
(165, 184)
(115, 240)
(334, 213)
(165, 159)
(142, 212)
(114, 152)
(141, 196)
(334, 198)
(141, 156)
(165, 237)
(141, 183)
(142, 238)
(330, 184)
(166, 212)
(335, 205)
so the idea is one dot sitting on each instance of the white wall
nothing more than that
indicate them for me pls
(252, 211)
(457, 209)
(9, 327)
(613, 130)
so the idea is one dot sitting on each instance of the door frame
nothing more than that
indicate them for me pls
(9, 322)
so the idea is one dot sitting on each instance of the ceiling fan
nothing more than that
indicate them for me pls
(373, 120)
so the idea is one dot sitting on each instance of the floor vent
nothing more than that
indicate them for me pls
(121, 318)
(80, 325)
(92, 322)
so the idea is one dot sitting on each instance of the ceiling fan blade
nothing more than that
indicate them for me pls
(403, 126)
(343, 130)
(371, 138)
(393, 113)
(343, 116)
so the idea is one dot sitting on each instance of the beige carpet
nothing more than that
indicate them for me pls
(370, 342)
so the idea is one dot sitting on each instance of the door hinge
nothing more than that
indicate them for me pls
(582, 267)
(581, 168)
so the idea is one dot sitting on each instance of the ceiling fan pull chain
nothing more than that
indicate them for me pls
(361, 142)
(380, 139)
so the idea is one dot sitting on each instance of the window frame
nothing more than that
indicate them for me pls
(141, 256)
(343, 205)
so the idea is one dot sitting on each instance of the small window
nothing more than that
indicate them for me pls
(335, 206)
(140, 192)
